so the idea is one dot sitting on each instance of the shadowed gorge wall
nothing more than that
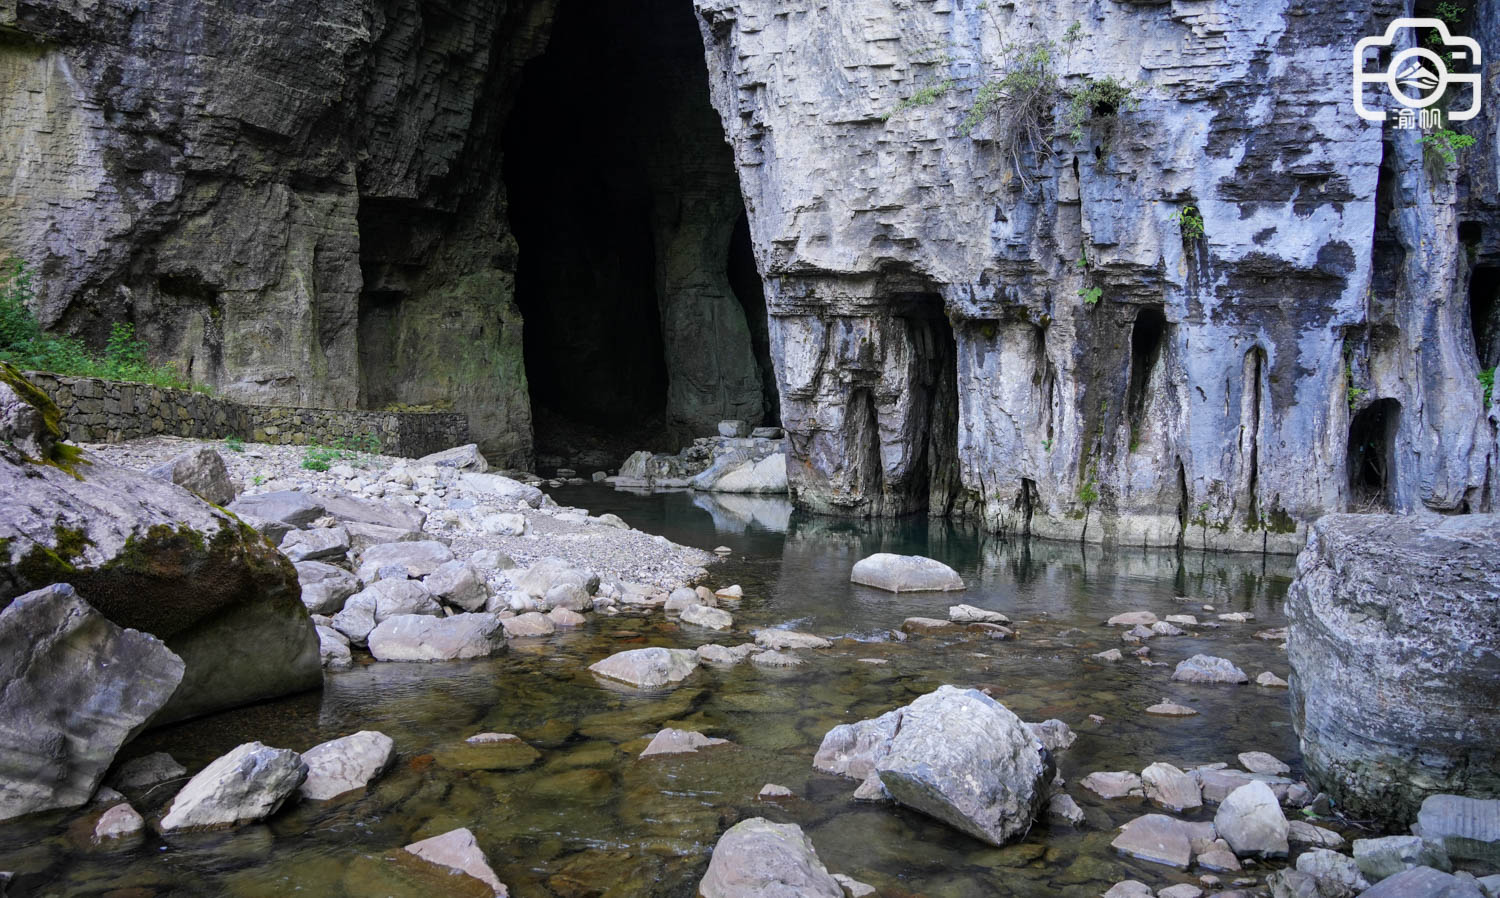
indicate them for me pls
(637, 311)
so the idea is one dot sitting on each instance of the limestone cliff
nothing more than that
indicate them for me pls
(1115, 374)
(298, 202)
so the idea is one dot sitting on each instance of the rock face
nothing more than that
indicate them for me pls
(936, 340)
(756, 858)
(1467, 828)
(77, 687)
(152, 557)
(248, 784)
(905, 573)
(965, 759)
(1393, 627)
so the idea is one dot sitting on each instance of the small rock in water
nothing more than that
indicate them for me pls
(1208, 669)
(118, 822)
(1132, 619)
(247, 784)
(1181, 890)
(1130, 888)
(872, 789)
(1162, 628)
(1063, 810)
(970, 614)
(1260, 762)
(1185, 620)
(853, 887)
(704, 616)
(532, 623)
(458, 851)
(756, 857)
(771, 790)
(563, 617)
(1169, 787)
(1300, 832)
(1237, 617)
(1251, 821)
(1270, 681)
(723, 550)
(924, 625)
(1273, 634)
(905, 573)
(1113, 784)
(492, 738)
(649, 668)
(730, 592)
(677, 742)
(1109, 656)
(1161, 839)
(1170, 709)
(343, 765)
(789, 639)
(775, 659)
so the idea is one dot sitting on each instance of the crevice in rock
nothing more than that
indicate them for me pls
(1147, 334)
(1484, 314)
(1182, 504)
(1026, 501)
(1255, 362)
(1371, 456)
(744, 280)
(933, 482)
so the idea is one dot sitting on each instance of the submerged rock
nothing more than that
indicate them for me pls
(1376, 598)
(964, 758)
(704, 616)
(119, 822)
(1113, 784)
(677, 742)
(650, 668)
(1162, 839)
(789, 639)
(74, 687)
(458, 850)
(756, 858)
(970, 614)
(905, 573)
(247, 784)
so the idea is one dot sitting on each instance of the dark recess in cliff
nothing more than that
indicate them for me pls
(1484, 314)
(1371, 456)
(624, 202)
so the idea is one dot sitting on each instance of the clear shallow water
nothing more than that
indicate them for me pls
(588, 818)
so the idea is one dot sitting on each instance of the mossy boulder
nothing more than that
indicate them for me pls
(153, 557)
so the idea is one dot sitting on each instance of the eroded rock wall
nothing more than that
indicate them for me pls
(1212, 393)
(299, 203)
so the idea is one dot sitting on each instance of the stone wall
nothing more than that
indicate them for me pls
(105, 411)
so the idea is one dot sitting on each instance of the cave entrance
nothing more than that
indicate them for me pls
(645, 322)
(1484, 314)
(1371, 456)
(932, 482)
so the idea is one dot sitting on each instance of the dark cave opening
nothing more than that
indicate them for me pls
(933, 480)
(1371, 456)
(644, 314)
(1147, 336)
(1484, 314)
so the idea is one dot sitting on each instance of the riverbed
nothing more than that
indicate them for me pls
(590, 818)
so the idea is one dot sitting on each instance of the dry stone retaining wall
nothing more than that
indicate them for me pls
(105, 411)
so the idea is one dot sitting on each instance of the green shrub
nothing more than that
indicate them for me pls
(26, 345)
(1019, 102)
(1091, 295)
(1095, 99)
(1446, 144)
(318, 458)
(924, 97)
(1088, 494)
(1189, 221)
(234, 444)
(1487, 380)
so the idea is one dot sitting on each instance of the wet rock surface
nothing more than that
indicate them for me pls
(248, 784)
(759, 858)
(1375, 598)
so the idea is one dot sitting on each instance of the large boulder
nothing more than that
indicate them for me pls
(277, 512)
(1467, 828)
(460, 458)
(964, 758)
(394, 515)
(1251, 821)
(200, 471)
(325, 588)
(852, 749)
(905, 573)
(496, 486)
(419, 637)
(457, 583)
(756, 858)
(1394, 644)
(650, 668)
(76, 687)
(550, 572)
(248, 784)
(417, 558)
(153, 557)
